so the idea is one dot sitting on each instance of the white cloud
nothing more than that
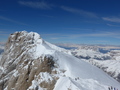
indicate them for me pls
(40, 5)
(112, 19)
(79, 11)
(113, 25)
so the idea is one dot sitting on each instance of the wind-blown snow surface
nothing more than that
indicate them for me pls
(72, 73)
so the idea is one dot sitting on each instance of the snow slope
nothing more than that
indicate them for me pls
(112, 67)
(87, 75)
(108, 62)
(62, 71)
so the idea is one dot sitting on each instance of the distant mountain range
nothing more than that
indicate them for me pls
(70, 45)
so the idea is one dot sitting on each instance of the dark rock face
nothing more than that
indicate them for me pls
(25, 76)
(118, 77)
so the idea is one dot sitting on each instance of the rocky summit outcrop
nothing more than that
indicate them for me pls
(20, 65)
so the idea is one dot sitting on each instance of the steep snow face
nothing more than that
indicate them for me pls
(29, 62)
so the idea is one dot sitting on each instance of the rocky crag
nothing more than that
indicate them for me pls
(20, 66)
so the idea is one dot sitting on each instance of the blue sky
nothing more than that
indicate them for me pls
(63, 21)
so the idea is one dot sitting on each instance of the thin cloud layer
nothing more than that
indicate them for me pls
(39, 5)
(102, 34)
(73, 36)
(112, 19)
(79, 11)
(113, 25)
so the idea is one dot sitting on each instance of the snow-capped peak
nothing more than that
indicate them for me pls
(29, 62)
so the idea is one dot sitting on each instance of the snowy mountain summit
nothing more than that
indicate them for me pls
(30, 63)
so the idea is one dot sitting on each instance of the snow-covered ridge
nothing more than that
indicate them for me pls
(29, 62)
